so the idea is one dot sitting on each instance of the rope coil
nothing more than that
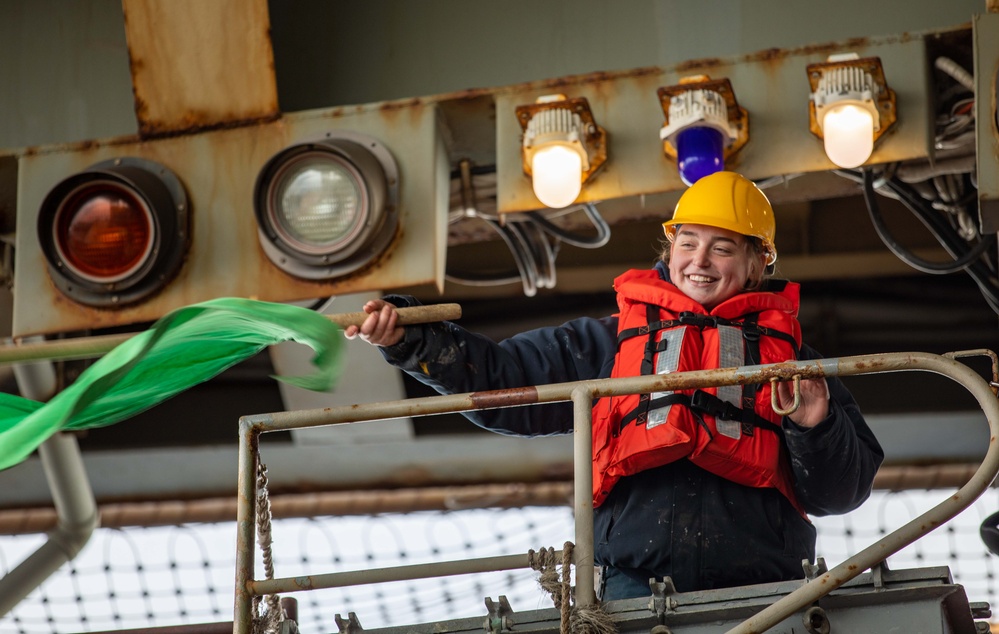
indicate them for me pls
(586, 619)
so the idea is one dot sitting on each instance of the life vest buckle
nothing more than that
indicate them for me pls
(694, 319)
(714, 406)
(751, 332)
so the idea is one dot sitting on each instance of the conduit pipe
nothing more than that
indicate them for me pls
(76, 509)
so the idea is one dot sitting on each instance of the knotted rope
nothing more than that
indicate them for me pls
(269, 622)
(574, 619)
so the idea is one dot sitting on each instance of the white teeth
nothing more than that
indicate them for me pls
(700, 278)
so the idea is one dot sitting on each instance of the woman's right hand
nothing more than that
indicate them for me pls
(379, 329)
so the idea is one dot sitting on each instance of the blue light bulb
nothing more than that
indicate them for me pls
(699, 152)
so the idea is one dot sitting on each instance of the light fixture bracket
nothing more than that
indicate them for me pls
(700, 100)
(859, 81)
(569, 122)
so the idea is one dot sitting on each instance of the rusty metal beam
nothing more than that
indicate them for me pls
(448, 498)
(198, 65)
(329, 503)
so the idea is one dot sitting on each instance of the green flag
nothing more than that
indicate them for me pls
(187, 346)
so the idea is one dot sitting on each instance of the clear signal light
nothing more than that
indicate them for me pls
(327, 208)
(558, 175)
(848, 131)
(116, 232)
(850, 108)
(561, 148)
(319, 202)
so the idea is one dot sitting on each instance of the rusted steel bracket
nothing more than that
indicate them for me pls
(813, 571)
(350, 626)
(499, 613)
(661, 602)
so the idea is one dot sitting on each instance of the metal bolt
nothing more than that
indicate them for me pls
(815, 620)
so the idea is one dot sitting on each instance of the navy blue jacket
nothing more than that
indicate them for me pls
(676, 520)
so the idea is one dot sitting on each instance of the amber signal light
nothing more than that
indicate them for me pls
(115, 233)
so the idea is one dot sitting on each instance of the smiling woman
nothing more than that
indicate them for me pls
(709, 487)
(710, 264)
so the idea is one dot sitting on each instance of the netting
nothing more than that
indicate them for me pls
(149, 577)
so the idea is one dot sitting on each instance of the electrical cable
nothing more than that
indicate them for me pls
(925, 266)
(941, 230)
(526, 235)
(956, 71)
(520, 251)
(585, 242)
(539, 250)
(978, 269)
(782, 179)
(981, 271)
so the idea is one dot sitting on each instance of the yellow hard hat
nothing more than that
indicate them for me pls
(728, 201)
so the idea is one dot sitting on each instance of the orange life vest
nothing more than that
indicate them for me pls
(731, 431)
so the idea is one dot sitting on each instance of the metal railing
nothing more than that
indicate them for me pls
(582, 393)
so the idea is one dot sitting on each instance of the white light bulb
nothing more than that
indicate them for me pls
(848, 133)
(557, 175)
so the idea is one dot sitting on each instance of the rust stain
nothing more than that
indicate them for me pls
(572, 80)
(305, 583)
(768, 55)
(469, 94)
(504, 398)
(74, 147)
(401, 104)
(141, 112)
(698, 64)
(406, 112)
(192, 124)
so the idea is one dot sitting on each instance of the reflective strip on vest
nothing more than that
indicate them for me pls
(666, 361)
(731, 354)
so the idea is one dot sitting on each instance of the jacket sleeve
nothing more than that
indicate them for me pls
(834, 463)
(452, 360)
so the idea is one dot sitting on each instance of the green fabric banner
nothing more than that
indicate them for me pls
(187, 346)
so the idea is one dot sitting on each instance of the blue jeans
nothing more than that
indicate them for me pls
(615, 584)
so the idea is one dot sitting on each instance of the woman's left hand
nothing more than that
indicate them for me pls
(814, 405)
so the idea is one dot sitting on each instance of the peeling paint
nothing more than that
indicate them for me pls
(504, 398)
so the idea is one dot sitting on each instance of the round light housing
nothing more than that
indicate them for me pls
(327, 208)
(114, 233)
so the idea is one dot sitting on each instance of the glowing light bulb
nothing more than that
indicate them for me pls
(557, 175)
(848, 135)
